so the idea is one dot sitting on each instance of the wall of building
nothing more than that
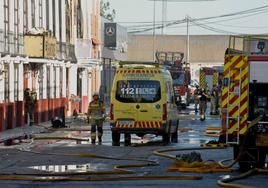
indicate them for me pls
(55, 81)
(204, 49)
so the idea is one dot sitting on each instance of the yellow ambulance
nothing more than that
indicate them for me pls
(142, 102)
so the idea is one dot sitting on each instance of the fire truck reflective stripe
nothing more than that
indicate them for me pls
(243, 129)
(233, 111)
(234, 100)
(231, 64)
(232, 126)
(224, 97)
(215, 78)
(202, 79)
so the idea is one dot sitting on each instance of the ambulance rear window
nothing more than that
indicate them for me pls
(138, 91)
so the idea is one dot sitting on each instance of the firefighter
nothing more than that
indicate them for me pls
(213, 100)
(30, 102)
(196, 99)
(202, 104)
(96, 112)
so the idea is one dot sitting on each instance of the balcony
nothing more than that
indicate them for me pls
(66, 52)
(14, 46)
(11, 44)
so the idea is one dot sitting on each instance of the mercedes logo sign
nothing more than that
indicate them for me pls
(110, 31)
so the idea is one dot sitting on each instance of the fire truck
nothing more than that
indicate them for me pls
(245, 100)
(208, 77)
(180, 74)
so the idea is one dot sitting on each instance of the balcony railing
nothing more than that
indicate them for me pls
(14, 46)
(66, 52)
(11, 44)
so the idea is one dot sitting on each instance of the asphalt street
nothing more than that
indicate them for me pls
(70, 156)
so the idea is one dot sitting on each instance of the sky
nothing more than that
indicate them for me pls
(142, 11)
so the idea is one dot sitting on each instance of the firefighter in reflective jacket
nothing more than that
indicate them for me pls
(96, 116)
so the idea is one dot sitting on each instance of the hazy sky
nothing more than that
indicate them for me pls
(142, 11)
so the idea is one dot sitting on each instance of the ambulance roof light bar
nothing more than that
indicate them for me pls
(122, 63)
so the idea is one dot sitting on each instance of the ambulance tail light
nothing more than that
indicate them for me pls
(164, 112)
(112, 111)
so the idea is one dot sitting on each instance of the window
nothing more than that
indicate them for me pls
(6, 25)
(48, 82)
(178, 77)
(60, 25)
(138, 91)
(68, 21)
(33, 13)
(41, 84)
(16, 82)
(61, 79)
(40, 13)
(16, 27)
(54, 82)
(67, 82)
(6, 77)
(54, 17)
(47, 15)
(25, 16)
(79, 20)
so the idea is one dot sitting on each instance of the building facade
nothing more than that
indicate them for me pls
(110, 56)
(55, 72)
(205, 50)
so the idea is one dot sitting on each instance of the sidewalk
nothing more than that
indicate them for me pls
(26, 131)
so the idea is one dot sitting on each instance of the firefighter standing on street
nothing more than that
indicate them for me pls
(196, 99)
(202, 104)
(30, 102)
(213, 100)
(96, 112)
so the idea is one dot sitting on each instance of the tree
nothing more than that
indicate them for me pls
(106, 11)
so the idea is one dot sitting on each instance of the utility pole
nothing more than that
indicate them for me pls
(164, 16)
(154, 33)
(187, 41)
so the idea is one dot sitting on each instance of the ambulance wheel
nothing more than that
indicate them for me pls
(127, 139)
(116, 138)
(166, 138)
(174, 135)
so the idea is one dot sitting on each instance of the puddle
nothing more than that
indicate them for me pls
(71, 168)
(225, 177)
(194, 141)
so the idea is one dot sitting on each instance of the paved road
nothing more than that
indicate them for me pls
(13, 160)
